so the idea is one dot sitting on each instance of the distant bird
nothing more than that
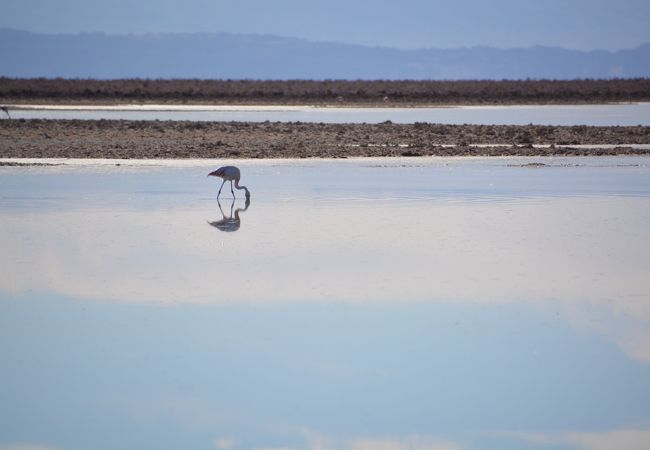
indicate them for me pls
(6, 110)
(229, 173)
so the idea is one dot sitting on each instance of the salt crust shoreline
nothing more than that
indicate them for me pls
(124, 139)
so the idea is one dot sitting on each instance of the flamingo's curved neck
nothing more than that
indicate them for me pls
(241, 187)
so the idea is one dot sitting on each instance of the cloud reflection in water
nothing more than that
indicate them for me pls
(590, 256)
(364, 321)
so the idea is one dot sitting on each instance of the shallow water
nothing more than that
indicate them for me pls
(405, 303)
(628, 114)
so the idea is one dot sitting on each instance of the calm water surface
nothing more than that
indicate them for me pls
(597, 115)
(365, 304)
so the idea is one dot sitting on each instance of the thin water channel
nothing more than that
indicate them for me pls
(421, 303)
(623, 114)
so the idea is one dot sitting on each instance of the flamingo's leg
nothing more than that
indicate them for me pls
(231, 190)
(224, 182)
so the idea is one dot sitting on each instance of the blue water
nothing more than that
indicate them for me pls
(405, 303)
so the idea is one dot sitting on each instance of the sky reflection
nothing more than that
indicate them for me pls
(287, 375)
(628, 114)
(428, 305)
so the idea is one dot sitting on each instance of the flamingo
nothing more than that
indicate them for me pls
(229, 173)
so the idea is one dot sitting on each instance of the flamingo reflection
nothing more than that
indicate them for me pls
(233, 222)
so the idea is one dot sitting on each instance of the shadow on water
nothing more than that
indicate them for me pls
(233, 221)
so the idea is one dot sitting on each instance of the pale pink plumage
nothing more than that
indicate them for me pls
(229, 173)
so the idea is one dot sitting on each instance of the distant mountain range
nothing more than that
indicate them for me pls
(237, 56)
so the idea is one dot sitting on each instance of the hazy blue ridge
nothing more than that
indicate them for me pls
(225, 55)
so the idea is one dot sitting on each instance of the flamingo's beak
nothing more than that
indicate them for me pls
(213, 173)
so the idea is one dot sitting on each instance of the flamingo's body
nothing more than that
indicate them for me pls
(229, 173)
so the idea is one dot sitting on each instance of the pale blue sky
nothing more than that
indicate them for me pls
(576, 24)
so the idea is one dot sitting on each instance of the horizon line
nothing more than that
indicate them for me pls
(326, 42)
